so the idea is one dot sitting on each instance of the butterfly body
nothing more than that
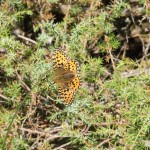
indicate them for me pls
(65, 76)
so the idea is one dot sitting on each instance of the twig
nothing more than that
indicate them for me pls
(27, 39)
(112, 123)
(22, 82)
(33, 102)
(36, 142)
(47, 134)
(111, 57)
(109, 50)
(58, 148)
(57, 129)
(85, 129)
(4, 97)
(102, 143)
(147, 6)
(141, 59)
(136, 72)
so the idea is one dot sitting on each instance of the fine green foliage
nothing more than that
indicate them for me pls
(109, 110)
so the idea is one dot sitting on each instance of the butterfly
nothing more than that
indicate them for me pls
(65, 76)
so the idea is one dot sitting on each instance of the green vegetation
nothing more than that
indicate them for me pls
(110, 110)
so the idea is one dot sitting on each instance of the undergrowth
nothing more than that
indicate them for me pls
(109, 110)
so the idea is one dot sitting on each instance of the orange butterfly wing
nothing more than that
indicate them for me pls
(65, 76)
